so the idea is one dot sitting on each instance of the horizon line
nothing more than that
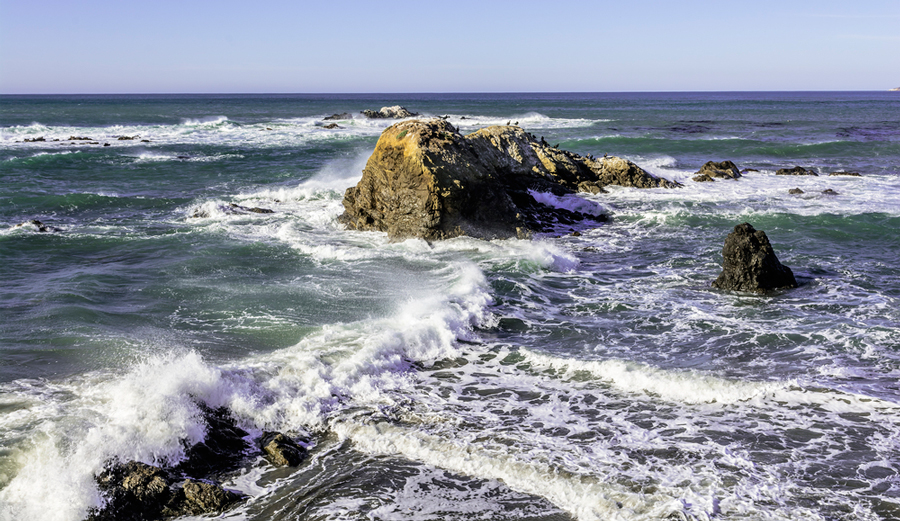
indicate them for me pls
(386, 93)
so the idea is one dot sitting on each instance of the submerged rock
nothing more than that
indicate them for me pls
(829, 191)
(795, 191)
(281, 450)
(251, 209)
(35, 140)
(722, 170)
(750, 263)
(797, 170)
(748, 170)
(335, 117)
(851, 174)
(331, 126)
(702, 178)
(395, 112)
(427, 180)
(39, 226)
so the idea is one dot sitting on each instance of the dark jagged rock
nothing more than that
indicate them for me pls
(722, 170)
(336, 117)
(136, 491)
(851, 174)
(252, 209)
(427, 180)
(702, 178)
(41, 227)
(106, 144)
(748, 170)
(281, 450)
(127, 138)
(35, 140)
(145, 141)
(331, 126)
(829, 191)
(797, 170)
(795, 191)
(76, 138)
(395, 112)
(222, 449)
(750, 263)
(133, 491)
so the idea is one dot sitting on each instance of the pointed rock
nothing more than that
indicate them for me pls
(750, 263)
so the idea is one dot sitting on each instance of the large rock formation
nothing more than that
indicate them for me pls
(427, 180)
(722, 170)
(751, 264)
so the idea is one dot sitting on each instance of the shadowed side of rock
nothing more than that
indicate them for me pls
(750, 263)
(427, 180)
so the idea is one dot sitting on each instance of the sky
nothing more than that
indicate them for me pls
(350, 46)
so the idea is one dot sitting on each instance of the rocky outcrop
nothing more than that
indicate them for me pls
(795, 191)
(702, 178)
(331, 126)
(427, 180)
(721, 170)
(851, 174)
(395, 112)
(136, 491)
(281, 450)
(797, 170)
(750, 263)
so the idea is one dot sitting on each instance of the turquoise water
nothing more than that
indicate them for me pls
(591, 377)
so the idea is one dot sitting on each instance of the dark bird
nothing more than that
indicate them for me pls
(507, 123)
(516, 123)
(604, 155)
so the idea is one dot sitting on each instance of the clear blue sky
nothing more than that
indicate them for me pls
(162, 46)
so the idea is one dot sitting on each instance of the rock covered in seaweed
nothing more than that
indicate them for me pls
(721, 170)
(427, 180)
(750, 263)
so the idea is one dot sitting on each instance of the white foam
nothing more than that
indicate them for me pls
(585, 496)
(571, 202)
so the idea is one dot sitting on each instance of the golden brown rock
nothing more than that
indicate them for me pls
(427, 180)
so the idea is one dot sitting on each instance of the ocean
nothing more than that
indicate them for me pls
(591, 377)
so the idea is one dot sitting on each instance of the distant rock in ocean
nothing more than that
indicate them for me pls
(427, 180)
(895, 89)
(797, 170)
(395, 112)
(750, 263)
